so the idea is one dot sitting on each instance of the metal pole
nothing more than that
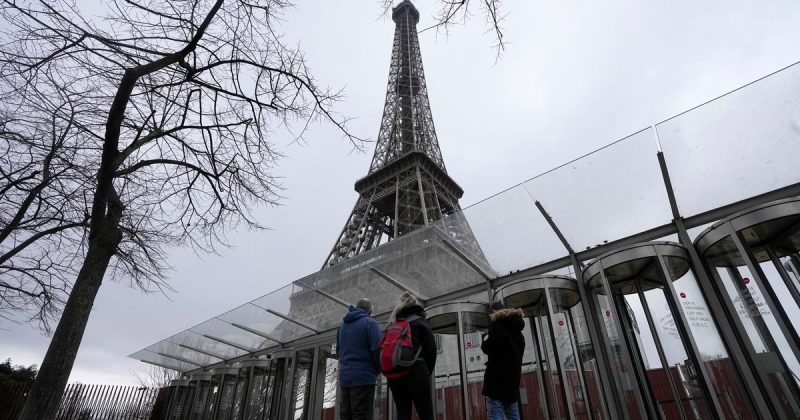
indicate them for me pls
(557, 354)
(611, 408)
(463, 364)
(727, 324)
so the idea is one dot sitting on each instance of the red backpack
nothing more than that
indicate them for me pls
(397, 349)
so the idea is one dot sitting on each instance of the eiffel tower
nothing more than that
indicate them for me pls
(407, 186)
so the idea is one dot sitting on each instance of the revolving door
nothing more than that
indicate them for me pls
(754, 261)
(664, 351)
(458, 377)
(559, 374)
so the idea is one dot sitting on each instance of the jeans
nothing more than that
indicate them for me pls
(497, 408)
(357, 403)
(413, 387)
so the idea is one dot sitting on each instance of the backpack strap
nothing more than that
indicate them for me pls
(412, 318)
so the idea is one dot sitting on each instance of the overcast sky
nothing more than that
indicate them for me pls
(576, 75)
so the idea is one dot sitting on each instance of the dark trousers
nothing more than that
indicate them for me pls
(357, 403)
(413, 387)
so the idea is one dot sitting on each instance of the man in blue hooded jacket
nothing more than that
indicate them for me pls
(357, 347)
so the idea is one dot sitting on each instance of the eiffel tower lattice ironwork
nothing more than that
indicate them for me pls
(407, 186)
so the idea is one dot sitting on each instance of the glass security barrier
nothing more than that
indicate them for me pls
(666, 354)
(180, 395)
(226, 380)
(754, 261)
(559, 379)
(300, 401)
(326, 383)
(277, 404)
(256, 374)
(202, 394)
(458, 377)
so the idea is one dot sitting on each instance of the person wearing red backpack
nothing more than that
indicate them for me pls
(408, 357)
(357, 344)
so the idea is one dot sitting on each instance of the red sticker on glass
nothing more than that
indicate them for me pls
(746, 280)
(561, 323)
(608, 313)
(683, 295)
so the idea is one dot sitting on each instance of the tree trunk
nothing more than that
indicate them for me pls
(48, 389)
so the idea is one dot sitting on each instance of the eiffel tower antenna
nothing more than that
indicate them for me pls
(407, 186)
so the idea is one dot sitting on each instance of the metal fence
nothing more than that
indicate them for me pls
(92, 402)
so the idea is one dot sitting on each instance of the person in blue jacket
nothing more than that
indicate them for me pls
(357, 347)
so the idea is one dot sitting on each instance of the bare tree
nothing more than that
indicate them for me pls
(452, 13)
(126, 136)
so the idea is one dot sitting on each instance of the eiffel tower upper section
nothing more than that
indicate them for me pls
(407, 186)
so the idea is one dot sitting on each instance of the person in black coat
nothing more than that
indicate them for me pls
(504, 346)
(415, 386)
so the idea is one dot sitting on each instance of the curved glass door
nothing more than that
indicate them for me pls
(655, 316)
(300, 401)
(753, 260)
(554, 384)
(201, 396)
(448, 401)
(255, 394)
(458, 377)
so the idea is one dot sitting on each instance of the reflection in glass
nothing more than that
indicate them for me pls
(301, 385)
(727, 384)
(473, 325)
(448, 400)
(777, 360)
(655, 373)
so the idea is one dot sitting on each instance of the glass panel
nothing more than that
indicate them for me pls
(327, 382)
(259, 392)
(625, 372)
(747, 138)
(297, 303)
(181, 353)
(201, 400)
(588, 361)
(301, 385)
(447, 374)
(159, 360)
(228, 390)
(363, 283)
(731, 393)
(504, 226)
(472, 327)
(774, 356)
(532, 391)
(428, 268)
(381, 408)
(239, 396)
(220, 329)
(623, 180)
(211, 400)
(550, 367)
(180, 402)
(565, 344)
(691, 397)
(197, 341)
(278, 398)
